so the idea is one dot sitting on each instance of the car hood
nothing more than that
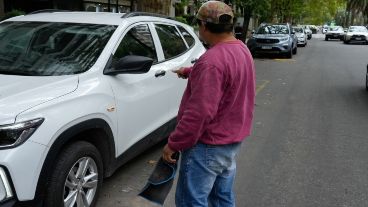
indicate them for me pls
(357, 33)
(20, 93)
(299, 34)
(270, 36)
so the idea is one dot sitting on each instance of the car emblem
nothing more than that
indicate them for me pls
(268, 40)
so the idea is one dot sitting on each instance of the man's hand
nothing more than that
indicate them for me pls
(180, 73)
(167, 154)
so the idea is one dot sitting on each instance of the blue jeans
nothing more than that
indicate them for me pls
(206, 176)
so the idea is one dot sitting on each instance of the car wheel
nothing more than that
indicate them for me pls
(76, 177)
(295, 50)
(326, 38)
(346, 42)
(289, 54)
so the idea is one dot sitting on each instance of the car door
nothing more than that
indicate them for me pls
(180, 48)
(141, 99)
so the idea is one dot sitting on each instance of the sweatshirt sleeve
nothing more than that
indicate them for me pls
(187, 71)
(206, 86)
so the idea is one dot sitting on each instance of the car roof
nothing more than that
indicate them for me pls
(107, 18)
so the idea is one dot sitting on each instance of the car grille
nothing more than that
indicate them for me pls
(362, 37)
(268, 41)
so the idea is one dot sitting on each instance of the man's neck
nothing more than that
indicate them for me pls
(225, 37)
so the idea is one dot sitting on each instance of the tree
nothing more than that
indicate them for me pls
(251, 8)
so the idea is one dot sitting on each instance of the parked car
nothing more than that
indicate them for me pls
(81, 94)
(356, 34)
(324, 29)
(336, 32)
(308, 31)
(301, 35)
(313, 28)
(273, 39)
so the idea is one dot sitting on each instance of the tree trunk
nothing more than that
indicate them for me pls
(352, 18)
(247, 15)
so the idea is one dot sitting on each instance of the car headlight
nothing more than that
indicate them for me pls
(13, 135)
(284, 39)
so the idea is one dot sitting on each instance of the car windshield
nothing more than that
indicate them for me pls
(273, 29)
(358, 29)
(298, 30)
(335, 29)
(50, 48)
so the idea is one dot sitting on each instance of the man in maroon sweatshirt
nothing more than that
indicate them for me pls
(215, 113)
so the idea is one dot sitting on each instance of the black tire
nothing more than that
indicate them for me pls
(326, 38)
(346, 42)
(289, 54)
(295, 50)
(65, 164)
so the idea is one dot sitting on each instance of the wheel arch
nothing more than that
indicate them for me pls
(92, 131)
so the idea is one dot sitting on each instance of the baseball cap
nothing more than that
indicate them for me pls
(213, 11)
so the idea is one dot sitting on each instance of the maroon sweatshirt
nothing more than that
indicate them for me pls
(218, 103)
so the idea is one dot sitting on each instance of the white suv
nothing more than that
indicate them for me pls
(82, 93)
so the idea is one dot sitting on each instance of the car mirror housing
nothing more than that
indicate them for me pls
(130, 64)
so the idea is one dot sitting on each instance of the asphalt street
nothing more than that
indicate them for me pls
(310, 135)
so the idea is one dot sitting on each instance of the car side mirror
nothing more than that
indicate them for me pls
(130, 64)
(253, 31)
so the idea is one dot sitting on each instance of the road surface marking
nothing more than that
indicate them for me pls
(285, 60)
(259, 88)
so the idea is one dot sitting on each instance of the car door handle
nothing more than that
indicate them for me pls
(160, 73)
(194, 60)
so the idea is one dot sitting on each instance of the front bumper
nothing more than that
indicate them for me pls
(279, 48)
(6, 189)
(334, 36)
(356, 38)
(301, 41)
(22, 165)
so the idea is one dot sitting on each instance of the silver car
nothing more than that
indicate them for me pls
(301, 35)
(336, 32)
(356, 34)
(273, 39)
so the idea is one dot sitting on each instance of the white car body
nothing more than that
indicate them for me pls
(356, 34)
(131, 105)
(301, 35)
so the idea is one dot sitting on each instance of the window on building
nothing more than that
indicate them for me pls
(138, 41)
(171, 41)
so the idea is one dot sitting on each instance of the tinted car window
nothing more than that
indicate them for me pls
(171, 41)
(273, 29)
(44, 48)
(298, 30)
(138, 41)
(188, 38)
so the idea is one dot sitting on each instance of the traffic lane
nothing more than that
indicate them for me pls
(309, 142)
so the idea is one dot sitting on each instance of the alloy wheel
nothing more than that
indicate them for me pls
(81, 183)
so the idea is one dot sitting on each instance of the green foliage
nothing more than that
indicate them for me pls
(181, 19)
(12, 13)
